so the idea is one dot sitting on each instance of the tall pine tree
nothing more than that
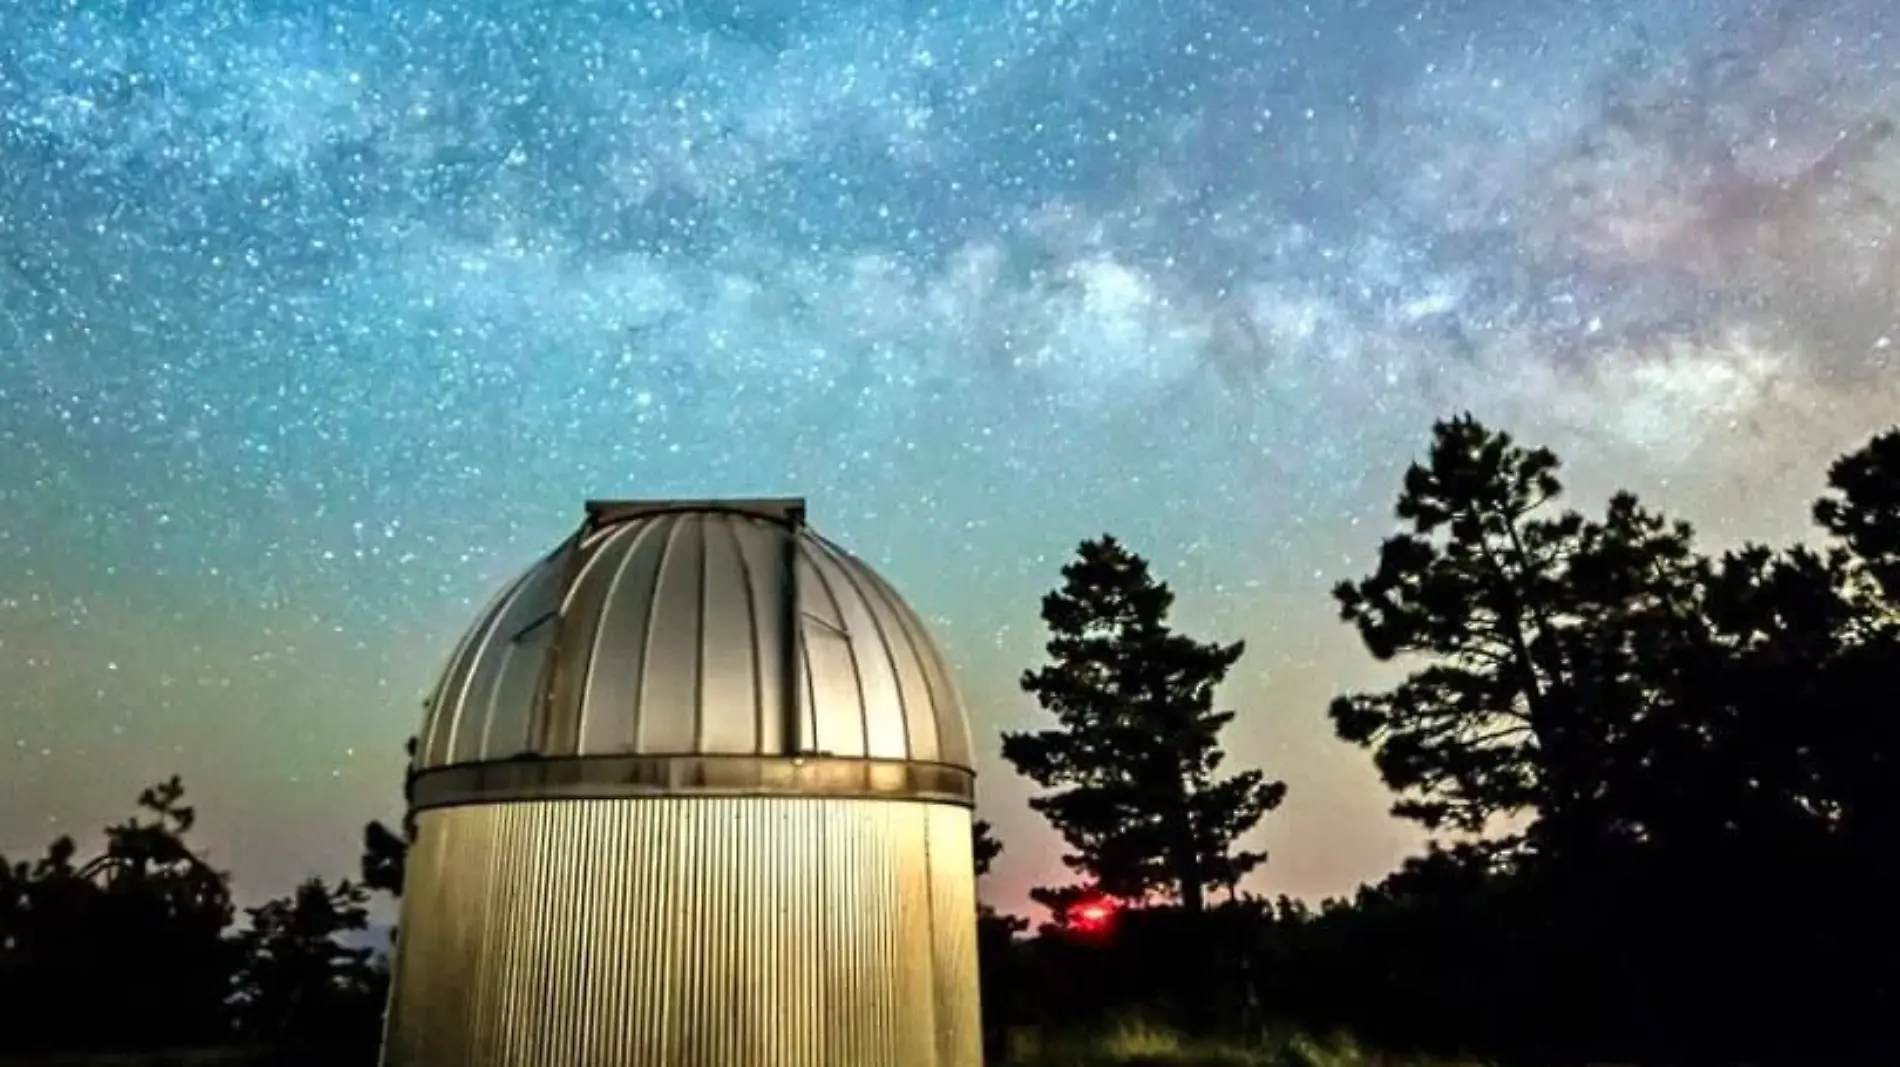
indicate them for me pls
(1550, 651)
(1471, 590)
(1131, 762)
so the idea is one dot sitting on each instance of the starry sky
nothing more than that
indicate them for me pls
(320, 320)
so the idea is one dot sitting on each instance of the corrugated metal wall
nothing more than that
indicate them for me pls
(689, 932)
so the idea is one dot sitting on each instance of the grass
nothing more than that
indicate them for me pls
(1138, 1043)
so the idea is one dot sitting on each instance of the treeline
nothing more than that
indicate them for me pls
(1663, 786)
(137, 949)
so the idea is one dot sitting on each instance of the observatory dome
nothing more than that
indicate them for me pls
(694, 647)
(694, 791)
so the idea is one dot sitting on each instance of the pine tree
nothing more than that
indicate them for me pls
(1485, 728)
(1555, 656)
(1131, 761)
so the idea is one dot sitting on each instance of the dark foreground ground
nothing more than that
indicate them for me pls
(1130, 1045)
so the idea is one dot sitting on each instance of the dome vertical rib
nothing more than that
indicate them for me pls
(693, 631)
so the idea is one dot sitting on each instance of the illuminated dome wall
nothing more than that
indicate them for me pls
(694, 790)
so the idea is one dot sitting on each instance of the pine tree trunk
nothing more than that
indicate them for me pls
(1191, 983)
(1193, 900)
(1187, 859)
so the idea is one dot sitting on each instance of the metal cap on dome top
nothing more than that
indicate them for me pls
(786, 509)
(695, 647)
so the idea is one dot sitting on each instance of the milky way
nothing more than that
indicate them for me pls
(315, 325)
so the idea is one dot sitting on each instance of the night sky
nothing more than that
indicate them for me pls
(318, 321)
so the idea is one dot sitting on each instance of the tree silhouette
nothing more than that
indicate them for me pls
(996, 949)
(984, 846)
(298, 983)
(1469, 588)
(1133, 756)
(1534, 630)
(1702, 748)
(161, 901)
(1826, 626)
(1863, 509)
(385, 857)
(386, 852)
(1640, 654)
(137, 931)
(1059, 901)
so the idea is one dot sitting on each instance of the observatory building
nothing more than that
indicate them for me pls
(694, 791)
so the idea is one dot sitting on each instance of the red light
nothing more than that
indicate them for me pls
(1091, 915)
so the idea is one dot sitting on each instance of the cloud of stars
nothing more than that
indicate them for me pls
(318, 321)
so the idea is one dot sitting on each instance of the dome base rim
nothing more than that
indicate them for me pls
(627, 777)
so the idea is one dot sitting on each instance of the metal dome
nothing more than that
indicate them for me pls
(676, 647)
